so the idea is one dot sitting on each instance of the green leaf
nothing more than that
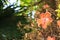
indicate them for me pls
(26, 2)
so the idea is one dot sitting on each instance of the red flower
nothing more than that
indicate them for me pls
(45, 19)
(50, 38)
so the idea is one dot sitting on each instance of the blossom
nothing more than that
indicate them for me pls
(39, 21)
(58, 23)
(45, 19)
(45, 6)
(50, 38)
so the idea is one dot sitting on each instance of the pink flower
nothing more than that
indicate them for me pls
(58, 23)
(45, 19)
(50, 38)
(45, 6)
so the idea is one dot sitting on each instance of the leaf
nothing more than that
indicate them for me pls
(58, 11)
(59, 6)
(26, 2)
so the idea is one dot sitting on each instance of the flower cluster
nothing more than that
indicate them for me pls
(45, 20)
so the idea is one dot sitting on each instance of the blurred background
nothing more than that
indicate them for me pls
(17, 17)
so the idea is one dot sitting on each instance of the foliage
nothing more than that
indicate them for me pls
(58, 11)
